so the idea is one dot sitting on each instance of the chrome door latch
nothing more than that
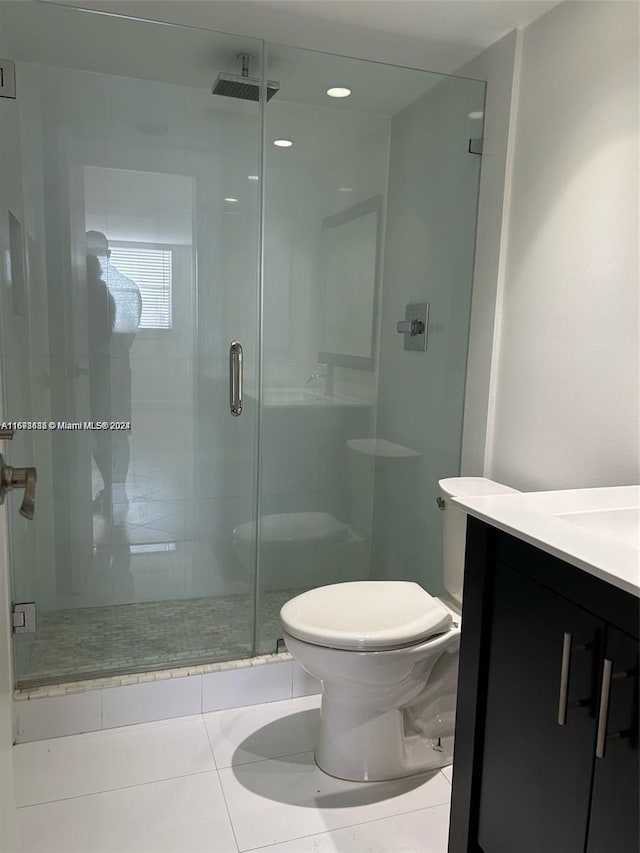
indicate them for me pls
(19, 478)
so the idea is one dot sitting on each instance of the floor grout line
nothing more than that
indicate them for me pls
(119, 788)
(271, 758)
(211, 750)
(224, 796)
(340, 828)
(226, 805)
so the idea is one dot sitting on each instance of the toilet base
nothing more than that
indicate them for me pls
(361, 745)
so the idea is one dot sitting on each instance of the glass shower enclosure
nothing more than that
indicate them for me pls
(166, 193)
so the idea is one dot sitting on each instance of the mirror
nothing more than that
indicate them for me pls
(349, 273)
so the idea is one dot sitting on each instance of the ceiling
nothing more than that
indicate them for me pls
(435, 35)
(474, 22)
(54, 35)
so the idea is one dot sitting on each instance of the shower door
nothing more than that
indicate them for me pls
(129, 222)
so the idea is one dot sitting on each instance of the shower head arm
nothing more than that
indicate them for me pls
(245, 58)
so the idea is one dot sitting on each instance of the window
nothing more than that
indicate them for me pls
(150, 267)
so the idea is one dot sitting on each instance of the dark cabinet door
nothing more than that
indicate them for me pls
(614, 805)
(536, 774)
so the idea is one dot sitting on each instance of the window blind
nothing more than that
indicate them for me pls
(150, 269)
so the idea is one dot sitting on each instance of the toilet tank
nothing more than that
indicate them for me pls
(454, 525)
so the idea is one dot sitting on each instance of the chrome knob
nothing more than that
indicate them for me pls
(410, 327)
(19, 478)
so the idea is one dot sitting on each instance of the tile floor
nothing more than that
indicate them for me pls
(235, 780)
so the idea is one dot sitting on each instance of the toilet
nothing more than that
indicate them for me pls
(386, 653)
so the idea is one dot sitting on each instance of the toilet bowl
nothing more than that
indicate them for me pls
(386, 653)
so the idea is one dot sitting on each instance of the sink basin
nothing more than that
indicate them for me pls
(623, 525)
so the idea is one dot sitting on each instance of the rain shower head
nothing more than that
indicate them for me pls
(241, 85)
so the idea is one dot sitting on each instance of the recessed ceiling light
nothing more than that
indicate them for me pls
(233, 200)
(283, 143)
(253, 177)
(346, 189)
(338, 92)
(476, 114)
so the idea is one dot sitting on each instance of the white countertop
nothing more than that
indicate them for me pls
(597, 530)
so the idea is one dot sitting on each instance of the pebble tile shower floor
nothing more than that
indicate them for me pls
(82, 642)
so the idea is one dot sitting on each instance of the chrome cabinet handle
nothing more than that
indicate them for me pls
(19, 478)
(565, 670)
(564, 679)
(235, 378)
(603, 713)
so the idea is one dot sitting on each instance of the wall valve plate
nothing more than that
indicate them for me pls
(7, 78)
(415, 326)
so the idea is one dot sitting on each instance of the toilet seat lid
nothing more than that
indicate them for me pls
(365, 615)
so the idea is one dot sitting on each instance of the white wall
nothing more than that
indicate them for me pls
(566, 407)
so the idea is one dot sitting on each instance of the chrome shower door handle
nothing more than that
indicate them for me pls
(235, 378)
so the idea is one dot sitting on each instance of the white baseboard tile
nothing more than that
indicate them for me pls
(79, 707)
(304, 684)
(38, 719)
(250, 685)
(150, 701)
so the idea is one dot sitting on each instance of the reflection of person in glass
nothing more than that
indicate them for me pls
(114, 307)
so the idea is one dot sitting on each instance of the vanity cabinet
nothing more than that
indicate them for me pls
(546, 754)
